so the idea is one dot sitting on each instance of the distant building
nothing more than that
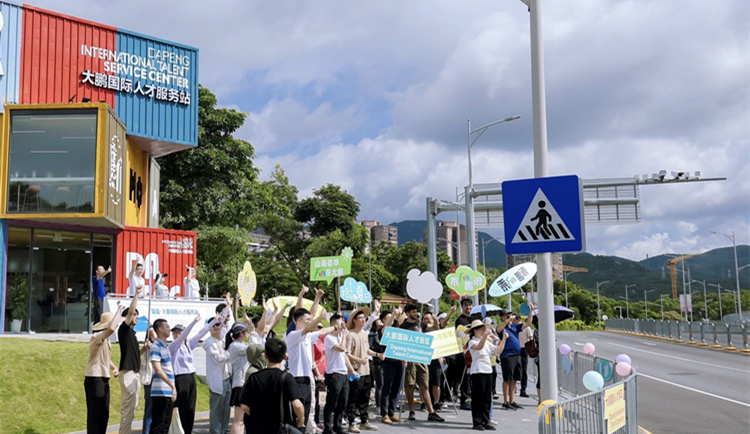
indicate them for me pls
(449, 237)
(557, 260)
(381, 233)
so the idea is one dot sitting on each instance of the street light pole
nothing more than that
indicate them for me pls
(705, 296)
(661, 302)
(619, 307)
(565, 278)
(627, 299)
(598, 306)
(484, 265)
(645, 300)
(469, 192)
(736, 273)
(718, 289)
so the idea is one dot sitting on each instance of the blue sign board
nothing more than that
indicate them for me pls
(407, 345)
(544, 215)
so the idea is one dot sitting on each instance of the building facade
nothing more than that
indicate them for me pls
(86, 109)
(381, 233)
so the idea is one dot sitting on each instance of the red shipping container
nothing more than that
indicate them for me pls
(51, 59)
(159, 250)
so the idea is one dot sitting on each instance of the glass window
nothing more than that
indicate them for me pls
(52, 161)
(17, 279)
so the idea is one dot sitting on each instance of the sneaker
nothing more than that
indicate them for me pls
(353, 428)
(496, 396)
(367, 426)
(386, 420)
(395, 418)
(524, 394)
(516, 406)
(423, 407)
(434, 417)
(412, 415)
(477, 428)
(465, 407)
(492, 421)
(507, 406)
(438, 406)
(489, 427)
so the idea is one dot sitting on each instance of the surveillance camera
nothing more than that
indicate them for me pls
(645, 176)
(697, 174)
(678, 175)
(662, 174)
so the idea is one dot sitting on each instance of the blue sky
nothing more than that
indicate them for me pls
(375, 96)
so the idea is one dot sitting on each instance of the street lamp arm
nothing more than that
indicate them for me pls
(483, 128)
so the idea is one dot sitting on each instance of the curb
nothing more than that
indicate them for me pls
(680, 341)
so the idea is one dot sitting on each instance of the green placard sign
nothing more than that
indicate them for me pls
(327, 268)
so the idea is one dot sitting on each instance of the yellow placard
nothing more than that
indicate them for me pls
(247, 284)
(614, 408)
(278, 302)
(444, 343)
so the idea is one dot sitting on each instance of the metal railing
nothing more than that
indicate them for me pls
(716, 335)
(599, 412)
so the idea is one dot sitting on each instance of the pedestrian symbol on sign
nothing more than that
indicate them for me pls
(541, 222)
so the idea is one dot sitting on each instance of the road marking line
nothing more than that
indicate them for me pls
(649, 344)
(694, 390)
(578, 343)
(645, 430)
(680, 358)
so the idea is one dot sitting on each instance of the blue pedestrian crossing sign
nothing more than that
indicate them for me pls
(544, 215)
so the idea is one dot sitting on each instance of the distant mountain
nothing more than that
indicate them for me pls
(413, 230)
(715, 266)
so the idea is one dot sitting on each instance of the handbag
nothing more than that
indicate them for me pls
(285, 428)
(532, 350)
(176, 426)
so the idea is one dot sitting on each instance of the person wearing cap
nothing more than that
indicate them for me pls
(130, 365)
(163, 390)
(235, 344)
(96, 380)
(510, 359)
(181, 350)
(359, 351)
(480, 372)
(218, 379)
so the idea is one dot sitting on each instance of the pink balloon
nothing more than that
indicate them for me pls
(589, 348)
(623, 369)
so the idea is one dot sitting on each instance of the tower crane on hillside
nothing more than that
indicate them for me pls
(672, 264)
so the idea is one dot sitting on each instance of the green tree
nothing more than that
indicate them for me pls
(329, 209)
(221, 255)
(214, 184)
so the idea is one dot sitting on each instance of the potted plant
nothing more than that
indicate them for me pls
(18, 296)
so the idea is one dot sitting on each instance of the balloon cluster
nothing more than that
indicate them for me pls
(593, 380)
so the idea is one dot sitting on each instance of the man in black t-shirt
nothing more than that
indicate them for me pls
(458, 375)
(262, 394)
(130, 365)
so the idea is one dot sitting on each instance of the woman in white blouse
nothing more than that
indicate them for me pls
(236, 345)
(192, 287)
(481, 373)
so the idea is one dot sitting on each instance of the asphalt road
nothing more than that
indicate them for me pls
(681, 389)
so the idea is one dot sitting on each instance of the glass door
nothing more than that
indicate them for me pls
(61, 275)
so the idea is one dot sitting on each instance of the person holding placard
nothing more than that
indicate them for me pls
(481, 350)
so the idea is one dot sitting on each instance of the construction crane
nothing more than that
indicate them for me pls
(569, 268)
(672, 264)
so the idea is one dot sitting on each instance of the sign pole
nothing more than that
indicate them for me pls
(450, 392)
(544, 260)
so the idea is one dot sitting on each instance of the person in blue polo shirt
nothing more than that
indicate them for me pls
(163, 391)
(97, 283)
(510, 358)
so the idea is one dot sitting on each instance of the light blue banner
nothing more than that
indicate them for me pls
(408, 352)
(394, 334)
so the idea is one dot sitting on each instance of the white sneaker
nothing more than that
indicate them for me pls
(494, 422)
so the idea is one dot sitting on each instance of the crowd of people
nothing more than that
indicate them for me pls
(278, 383)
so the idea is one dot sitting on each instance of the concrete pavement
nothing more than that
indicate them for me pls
(681, 389)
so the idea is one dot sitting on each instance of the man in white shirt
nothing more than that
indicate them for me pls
(217, 376)
(299, 347)
(137, 282)
(337, 368)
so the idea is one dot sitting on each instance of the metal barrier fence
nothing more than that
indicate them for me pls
(612, 410)
(692, 333)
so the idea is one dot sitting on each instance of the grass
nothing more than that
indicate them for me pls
(41, 387)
